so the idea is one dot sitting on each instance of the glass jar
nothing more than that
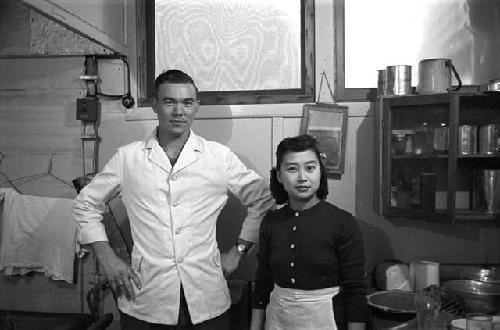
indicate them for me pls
(409, 142)
(398, 143)
(441, 139)
(424, 140)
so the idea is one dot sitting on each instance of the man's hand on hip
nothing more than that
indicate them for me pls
(230, 261)
(116, 271)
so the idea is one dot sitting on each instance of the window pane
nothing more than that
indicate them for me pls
(393, 32)
(230, 45)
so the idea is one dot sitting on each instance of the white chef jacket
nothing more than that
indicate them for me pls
(173, 213)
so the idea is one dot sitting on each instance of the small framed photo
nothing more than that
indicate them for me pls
(328, 124)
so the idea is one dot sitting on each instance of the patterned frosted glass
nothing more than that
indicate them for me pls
(230, 45)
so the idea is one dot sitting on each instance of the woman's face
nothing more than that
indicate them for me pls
(300, 175)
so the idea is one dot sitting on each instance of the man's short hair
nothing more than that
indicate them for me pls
(174, 77)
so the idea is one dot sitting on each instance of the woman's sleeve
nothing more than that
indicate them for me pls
(264, 280)
(350, 252)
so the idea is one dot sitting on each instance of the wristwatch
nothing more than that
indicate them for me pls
(242, 249)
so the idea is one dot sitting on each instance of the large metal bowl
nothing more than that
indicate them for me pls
(469, 272)
(480, 274)
(480, 297)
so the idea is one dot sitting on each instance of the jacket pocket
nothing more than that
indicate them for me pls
(137, 263)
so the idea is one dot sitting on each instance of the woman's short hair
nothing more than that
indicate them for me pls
(296, 144)
(174, 77)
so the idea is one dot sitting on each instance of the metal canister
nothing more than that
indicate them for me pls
(488, 139)
(399, 79)
(467, 138)
(382, 82)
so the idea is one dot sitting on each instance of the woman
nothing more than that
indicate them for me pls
(309, 249)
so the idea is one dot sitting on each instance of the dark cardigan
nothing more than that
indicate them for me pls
(312, 249)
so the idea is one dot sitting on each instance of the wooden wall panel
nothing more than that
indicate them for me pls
(14, 19)
(32, 34)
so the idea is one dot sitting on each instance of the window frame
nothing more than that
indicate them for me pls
(341, 93)
(146, 70)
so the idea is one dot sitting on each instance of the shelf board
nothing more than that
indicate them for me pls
(439, 215)
(460, 156)
(472, 156)
(407, 100)
(411, 156)
(475, 215)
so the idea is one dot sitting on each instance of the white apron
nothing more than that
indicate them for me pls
(294, 309)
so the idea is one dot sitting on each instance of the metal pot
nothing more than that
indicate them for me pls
(434, 76)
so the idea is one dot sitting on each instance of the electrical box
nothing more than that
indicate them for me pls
(87, 109)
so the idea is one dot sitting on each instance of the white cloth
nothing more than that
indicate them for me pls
(295, 309)
(173, 214)
(38, 234)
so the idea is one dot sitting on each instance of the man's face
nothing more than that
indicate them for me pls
(176, 106)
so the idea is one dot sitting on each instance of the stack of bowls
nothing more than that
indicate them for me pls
(479, 296)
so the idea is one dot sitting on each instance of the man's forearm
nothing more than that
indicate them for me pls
(102, 250)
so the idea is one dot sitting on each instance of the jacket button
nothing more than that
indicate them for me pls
(176, 205)
(292, 246)
(174, 177)
(177, 231)
(292, 280)
(180, 260)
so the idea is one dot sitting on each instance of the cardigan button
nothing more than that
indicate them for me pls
(296, 214)
(292, 280)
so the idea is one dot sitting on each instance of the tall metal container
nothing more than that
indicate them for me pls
(399, 79)
(382, 82)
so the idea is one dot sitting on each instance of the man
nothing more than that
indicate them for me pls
(173, 185)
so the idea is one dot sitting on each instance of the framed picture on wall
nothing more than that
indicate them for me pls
(328, 124)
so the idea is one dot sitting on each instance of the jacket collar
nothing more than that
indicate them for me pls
(189, 154)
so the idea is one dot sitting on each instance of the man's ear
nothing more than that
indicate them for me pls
(278, 176)
(154, 105)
